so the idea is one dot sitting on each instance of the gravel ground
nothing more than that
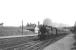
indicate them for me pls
(64, 44)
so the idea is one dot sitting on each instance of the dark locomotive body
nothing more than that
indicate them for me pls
(46, 32)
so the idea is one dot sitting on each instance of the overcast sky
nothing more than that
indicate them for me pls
(13, 11)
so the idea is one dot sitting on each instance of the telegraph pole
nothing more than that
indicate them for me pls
(22, 27)
(38, 23)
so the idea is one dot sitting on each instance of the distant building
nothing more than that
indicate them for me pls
(31, 25)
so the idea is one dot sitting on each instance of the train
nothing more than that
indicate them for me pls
(45, 31)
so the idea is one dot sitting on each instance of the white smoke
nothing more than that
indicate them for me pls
(47, 22)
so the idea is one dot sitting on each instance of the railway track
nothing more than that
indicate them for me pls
(17, 44)
(44, 43)
(33, 45)
(23, 46)
(28, 45)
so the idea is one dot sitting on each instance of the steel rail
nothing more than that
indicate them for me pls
(29, 43)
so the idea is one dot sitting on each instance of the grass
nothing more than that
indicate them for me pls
(8, 31)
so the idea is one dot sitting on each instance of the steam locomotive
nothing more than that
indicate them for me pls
(46, 32)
